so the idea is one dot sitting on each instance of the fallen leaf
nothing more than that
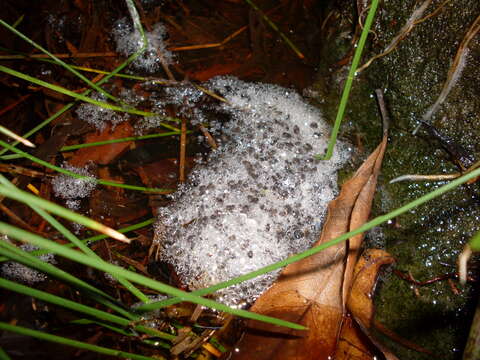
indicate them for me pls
(103, 154)
(310, 291)
(355, 340)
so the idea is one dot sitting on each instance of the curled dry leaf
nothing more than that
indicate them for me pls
(313, 291)
(355, 342)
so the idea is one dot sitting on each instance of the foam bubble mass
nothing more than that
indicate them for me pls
(128, 41)
(258, 199)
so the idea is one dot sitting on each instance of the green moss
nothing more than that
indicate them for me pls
(426, 241)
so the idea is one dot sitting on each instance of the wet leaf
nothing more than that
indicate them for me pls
(103, 154)
(313, 291)
(356, 341)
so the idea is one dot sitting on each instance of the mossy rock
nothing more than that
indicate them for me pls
(426, 241)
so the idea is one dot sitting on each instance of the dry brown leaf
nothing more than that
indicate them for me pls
(355, 339)
(103, 154)
(310, 291)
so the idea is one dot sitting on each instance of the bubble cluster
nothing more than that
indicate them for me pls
(128, 41)
(70, 188)
(259, 198)
(19, 272)
(98, 116)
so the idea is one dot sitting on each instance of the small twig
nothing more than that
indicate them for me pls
(433, 13)
(60, 56)
(455, 70)
(209, 137)
(275, 27)
(16, 219)
(211, 93)
(463, 258)
(16, 169)
(183, 150)
(425, 177)
(210, 45)
(404, 31)
(14, 104)
(383, 110)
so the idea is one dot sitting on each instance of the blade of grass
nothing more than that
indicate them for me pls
(348, 83)
(73, 94)
(275, 28)
(475, 242)
(114, 141)
(95, 238)
(78, 176)
(14, 136)
(367, 226)
(18, 21)
(13, 253)
(77, 242)
(55, 248)
(155, 342)
(102, 81)
(25, 197)
(4, 355)
(73, 305)
(60, 62)
(69, 342)
(23, 257)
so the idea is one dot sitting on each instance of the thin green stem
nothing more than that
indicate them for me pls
(4, 355)
(73, 94)
(86, 250)
(75, 306)
(114, 141)
(78, 176)
(69, 342)
(25, 197)
(55, 248)
(275, 27)
(59, 62)
(348, 83)
(13, 253)
(95, 238)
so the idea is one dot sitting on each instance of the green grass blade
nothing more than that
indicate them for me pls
(23, 257)
(13, 253)
(73, 305)
(44, 123)
(4, 355)
(78, 176)
(77, 242)
(59, 61)
(475, 242)
(14, 136)
(95, 238)
(348, 83)
(367, 226)
(102, 81)
(155, 342)
(114, 141)
(86, 250)
(55, 248)
(25, 197)
(69, 342)
(73, 94)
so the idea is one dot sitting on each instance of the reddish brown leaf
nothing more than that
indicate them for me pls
(310, 292)
(355, 341)
(106, 153)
